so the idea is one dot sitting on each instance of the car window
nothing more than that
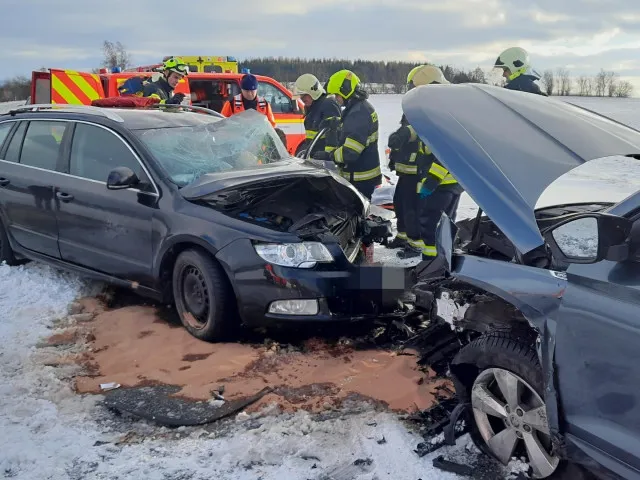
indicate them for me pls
(5, 128)
(13, 149)
(42, 144)
(280, 103)
(96, 151)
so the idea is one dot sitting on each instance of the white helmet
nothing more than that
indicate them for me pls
(428, 74)
(514, 59)
(310, 85)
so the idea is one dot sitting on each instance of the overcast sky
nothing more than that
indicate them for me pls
(583, 35)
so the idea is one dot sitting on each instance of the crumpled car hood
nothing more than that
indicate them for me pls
(506, 147)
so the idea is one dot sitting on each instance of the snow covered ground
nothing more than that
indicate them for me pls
(48, 432)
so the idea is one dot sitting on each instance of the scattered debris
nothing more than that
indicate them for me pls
(157, 403)
(109, 386)
(363, 461)
(382, 441)
(453, 467)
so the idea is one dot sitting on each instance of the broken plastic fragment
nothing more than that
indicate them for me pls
(109, 386)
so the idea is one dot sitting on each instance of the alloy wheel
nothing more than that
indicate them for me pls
(195, 296)
(510, 414)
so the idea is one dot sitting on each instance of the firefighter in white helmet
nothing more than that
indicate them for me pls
(320, 110)
(516, 69)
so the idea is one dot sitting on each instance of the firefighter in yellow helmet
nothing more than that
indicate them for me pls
(437, 189)
(320, 109)
(404, 146)
(174, 70)
(355, 147)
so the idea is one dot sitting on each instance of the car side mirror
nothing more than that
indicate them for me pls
(590, 238)
(121, 178)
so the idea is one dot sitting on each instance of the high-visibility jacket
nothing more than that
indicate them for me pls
(405, 148)
(432, 174)
(356, 153)
(237, 105)
(159, 89)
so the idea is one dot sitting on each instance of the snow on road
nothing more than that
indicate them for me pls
(48, 432)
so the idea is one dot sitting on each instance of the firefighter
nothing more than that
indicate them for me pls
(248, 98)
(320, 110)
(515, 66)
(404, 146)
(174, 70)
(354, 147)
(437, 189)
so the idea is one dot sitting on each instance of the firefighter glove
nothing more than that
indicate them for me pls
(423, 190)
(332, 123)
(324, 156)
(400, 137)
(176, 99)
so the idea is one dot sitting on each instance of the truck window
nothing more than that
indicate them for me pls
(280, 102)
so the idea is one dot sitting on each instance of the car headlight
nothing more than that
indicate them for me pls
(296, 255)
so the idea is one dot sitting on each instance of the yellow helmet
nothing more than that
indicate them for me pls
(175, 64)
(428, 74)
(343, 83)
(308, 84)
(515, 59)
(413, 72)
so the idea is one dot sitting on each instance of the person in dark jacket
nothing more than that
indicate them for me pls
(354, 147)
(404, 146)
(515, 66)
(320, 110)
(162, 89)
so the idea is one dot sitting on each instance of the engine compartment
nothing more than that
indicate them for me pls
(479, 236)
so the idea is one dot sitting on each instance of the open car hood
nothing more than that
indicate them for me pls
(506, 147)
(212, 183)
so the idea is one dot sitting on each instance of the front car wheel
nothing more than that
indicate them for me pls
(502, 379)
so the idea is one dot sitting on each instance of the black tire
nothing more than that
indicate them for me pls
(6, 254)
(208, 312)
(504, 351)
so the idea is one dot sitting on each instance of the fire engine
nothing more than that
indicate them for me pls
(206, 89)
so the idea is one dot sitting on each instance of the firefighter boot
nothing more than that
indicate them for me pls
(409, 251)
(398, 242)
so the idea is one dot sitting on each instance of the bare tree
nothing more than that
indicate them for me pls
(564, 81)
(548, 81)
(115, 55)
(589, 86)
(611, 83)
(600, 83)
(582, 83)
(624, 89)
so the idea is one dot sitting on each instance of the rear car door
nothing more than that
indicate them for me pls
(32, 160)
(106, 230)
(597, 363)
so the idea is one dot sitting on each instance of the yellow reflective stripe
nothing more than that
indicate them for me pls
(329, 149)
(424, 149)
(438, 171)
(83, 84)
(362, 176)
(429, 250)
(419, 185)
(401, 236)
(311, 134)
(353, 145)
(414, 136)
(407, 169)
(419, 244)
(412, 157)
(448, 180)
(374, 117)
(372, 138)
(338, 155)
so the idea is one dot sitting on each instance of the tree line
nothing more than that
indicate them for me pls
(377, 76)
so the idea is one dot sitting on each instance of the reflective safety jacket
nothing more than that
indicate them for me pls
(320, 110)
(405, 148)
(432, 174)
(356, 152)
(240, 104)
(159, 89)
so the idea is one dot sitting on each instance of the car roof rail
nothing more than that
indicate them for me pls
(44, 107)
(187, 107)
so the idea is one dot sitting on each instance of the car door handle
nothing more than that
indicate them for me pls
(65, 197)
(4, 182)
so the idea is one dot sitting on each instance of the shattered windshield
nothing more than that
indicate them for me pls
(243, 141)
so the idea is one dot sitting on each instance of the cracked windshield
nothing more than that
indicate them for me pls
(243, 141)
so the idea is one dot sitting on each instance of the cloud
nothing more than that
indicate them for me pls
(583, 34)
